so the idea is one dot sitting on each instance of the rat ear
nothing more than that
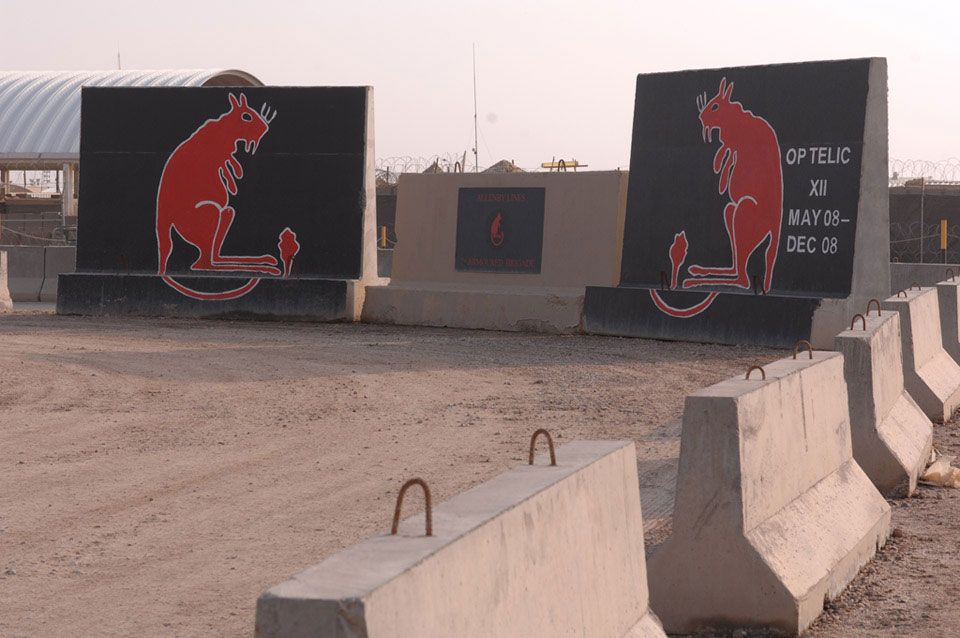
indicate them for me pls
(726, 96)
(723, 86)
(243, 100)
(233, 102)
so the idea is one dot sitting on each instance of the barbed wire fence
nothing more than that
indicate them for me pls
(924, 201)
(389, 169)
(940, 172)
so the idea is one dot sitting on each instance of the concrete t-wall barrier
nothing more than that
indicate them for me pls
(903, 275)
(57, 260)
(537, 551)
(33, 271)
(891, 435)
(948, 296)
(582, 240)
(5, 302)
(930, 375)
(25, 272)
(773, 516)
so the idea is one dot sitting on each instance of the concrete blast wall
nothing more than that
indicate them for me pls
(891, 435)
(902, 276)
(5, 302)
(930, 375)
(948, 296)
(582, 241)
(773, 515)
(34, 270)
(538, 551)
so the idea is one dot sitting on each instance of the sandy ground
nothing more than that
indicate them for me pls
(157, 475)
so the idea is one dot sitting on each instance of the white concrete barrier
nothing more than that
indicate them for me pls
(930, 375)
(891, 435)
(5, 301)
(773, 516)
(537, 551)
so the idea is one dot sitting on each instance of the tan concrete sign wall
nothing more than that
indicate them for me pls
(538, 551)
(930, 375)
(582, 244)
(773, 515)
(891, 435)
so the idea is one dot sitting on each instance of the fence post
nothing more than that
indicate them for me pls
(922, 189)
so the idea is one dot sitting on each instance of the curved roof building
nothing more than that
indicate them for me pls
(40, 110)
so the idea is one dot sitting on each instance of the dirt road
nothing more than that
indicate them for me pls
(157, 475)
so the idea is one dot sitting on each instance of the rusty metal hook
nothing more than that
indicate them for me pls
(803, 343)
(915, 284)
(950, 272)
(533, 443)
(122, 259)
(876, 301)
(901, 292)
(763, 374)
(757, 288)
(561, 165)
(429, 506)
(854, 320)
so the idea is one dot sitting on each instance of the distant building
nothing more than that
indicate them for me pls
(40, 131)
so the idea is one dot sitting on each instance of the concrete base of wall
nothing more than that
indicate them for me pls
(536, 552)
(148, 295)
(765, 320)
(731, 318)
(6, 303)
(550, 310)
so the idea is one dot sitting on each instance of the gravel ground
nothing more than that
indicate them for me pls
(158, 475)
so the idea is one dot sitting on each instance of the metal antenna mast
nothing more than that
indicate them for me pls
(476, 143)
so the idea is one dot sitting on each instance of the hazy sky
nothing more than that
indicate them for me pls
(554, 78)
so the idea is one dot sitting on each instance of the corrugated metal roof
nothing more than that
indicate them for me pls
(40, 110)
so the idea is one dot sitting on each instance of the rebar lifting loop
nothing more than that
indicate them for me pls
(429, 505)
(854, 321)
(533, 443)
(874, 301)
(796, 348)
(763, 374)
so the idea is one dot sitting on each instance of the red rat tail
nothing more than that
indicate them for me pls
(164, 248)
(683, 313)
(211, 296)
